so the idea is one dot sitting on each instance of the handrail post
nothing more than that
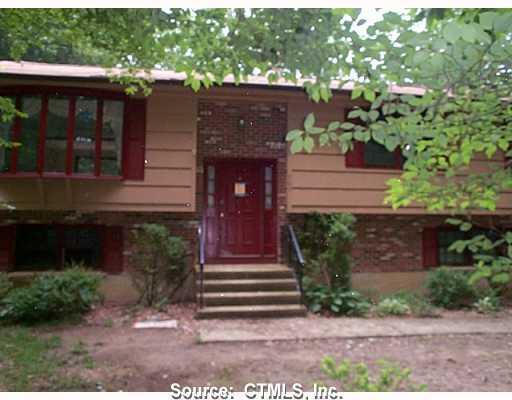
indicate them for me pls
(296, 253)
(200, 235)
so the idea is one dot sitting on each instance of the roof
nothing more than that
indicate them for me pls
(88, 72)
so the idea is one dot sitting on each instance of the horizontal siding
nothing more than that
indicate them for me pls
(169, 183)
(321, 182)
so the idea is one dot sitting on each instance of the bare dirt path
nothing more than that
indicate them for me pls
(149, 360)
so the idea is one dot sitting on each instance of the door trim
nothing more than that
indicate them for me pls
(259, 163)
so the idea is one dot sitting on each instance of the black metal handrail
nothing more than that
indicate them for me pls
(200, 236)
(297, 259)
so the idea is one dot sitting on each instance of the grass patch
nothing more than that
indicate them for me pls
(31, 363)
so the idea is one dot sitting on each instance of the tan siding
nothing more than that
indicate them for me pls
(169, 183)
(321, 182)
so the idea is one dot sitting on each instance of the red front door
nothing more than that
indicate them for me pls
(238, 220)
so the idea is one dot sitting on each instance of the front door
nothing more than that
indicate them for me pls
(239, 226)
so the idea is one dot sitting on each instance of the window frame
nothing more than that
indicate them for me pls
(72, 93)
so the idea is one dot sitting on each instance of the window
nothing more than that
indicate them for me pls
(268, 187)
(373, 155)
(449, 257)
(74, 132)
(437, 241)
(46, 247)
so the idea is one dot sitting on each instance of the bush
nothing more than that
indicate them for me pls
(418, 304)
(336, 300)
(325, 241)
(160, 264)
(5, 285)
(52, 296)
(449, 288)
(356, 377)
(393, 306)
(487, 304)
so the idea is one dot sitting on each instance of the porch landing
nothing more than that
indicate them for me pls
(249, 291)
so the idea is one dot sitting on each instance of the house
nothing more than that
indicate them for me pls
(95, 163)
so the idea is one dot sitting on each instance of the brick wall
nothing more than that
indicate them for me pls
(243, 129)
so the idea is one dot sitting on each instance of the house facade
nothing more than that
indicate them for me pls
(95, 163)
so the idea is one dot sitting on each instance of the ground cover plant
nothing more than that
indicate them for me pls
(29, 362)
(357, 377)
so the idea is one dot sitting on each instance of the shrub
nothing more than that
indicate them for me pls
(336, 300)
(325, 240)
(356, 377)
(449, 288)
(52, 296)
(5, 285)
(159, 266)
(393, 306)
(418, 304)
(488, 304)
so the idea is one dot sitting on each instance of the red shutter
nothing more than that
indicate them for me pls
(7, 236)
(134, 139)
(113, 249)
(430, 248)
(355, 157)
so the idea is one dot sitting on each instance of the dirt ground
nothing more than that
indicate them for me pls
(151, 359)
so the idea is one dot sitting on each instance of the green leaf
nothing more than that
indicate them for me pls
(357, 92)
(314, 130)
(309, 121)
(297, 145)
(487, 19)
(334, 125)
(347, 126)
(465, 226)
(293, 134)
(452, 32)
(369, 95)
(391, 142)
(309, 144)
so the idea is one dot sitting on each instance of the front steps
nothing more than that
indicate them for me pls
(250, 291)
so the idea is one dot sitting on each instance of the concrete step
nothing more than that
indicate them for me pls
(248, 285)
(251, 298)
(247, 271)
(252, 311)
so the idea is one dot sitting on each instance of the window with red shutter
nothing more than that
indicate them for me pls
(113, 249)
(135, 139)
(430, 248)
(7, 234)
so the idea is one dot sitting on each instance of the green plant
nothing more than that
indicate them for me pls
(52, 296)
(449, 288)
(325, 240)
(5, 285)
(31, 362)
(336, 300)
(159, 264)
(487, 304)
(392, 306)
(418, 304)
(353, 377)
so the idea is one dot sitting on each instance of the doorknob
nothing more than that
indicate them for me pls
(221, 215)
